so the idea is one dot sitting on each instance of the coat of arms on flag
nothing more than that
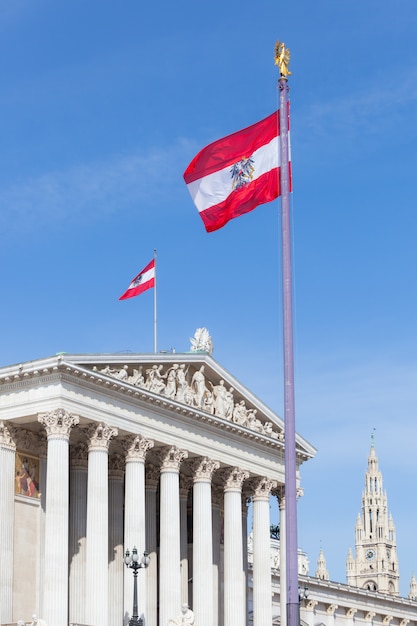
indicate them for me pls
(242, 172)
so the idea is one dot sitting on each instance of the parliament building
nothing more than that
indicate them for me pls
(163, 454)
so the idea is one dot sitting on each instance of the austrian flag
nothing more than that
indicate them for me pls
(143, 281)
(233, 175)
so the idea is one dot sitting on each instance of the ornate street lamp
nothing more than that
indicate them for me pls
(132, 561)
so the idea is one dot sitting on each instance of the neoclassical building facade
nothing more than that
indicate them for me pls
(162, 452)
(371, 596)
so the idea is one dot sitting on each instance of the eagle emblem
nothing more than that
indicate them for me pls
(242, 172)
(137, 281)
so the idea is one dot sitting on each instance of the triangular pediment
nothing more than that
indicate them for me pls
(193, 381)
(191, 384)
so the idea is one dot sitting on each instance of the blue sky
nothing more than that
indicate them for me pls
(103, 105)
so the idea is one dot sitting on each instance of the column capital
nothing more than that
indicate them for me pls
(233, 478)
(246, 500)
(217, 494)
(78, 456)
(151, 476)
(262, 487)
(6, 437)
(100, 435)
(170, 458)
(116, 466)
(203, 468)
(185, 485)
(136, 447)
(58, 423)
(279, 492)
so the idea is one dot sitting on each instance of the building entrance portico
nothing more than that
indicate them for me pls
(99, 453)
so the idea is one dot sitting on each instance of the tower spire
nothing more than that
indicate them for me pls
(375, 566)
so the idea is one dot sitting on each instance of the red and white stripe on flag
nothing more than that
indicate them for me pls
(233, 175)
(143, 281)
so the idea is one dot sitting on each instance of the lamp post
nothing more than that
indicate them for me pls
(132, 561)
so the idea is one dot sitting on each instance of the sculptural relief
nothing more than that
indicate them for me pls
(192, 388)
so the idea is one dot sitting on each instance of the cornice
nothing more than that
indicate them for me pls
(64, 368)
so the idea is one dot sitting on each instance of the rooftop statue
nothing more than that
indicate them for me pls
(282, 58)
(202, 341)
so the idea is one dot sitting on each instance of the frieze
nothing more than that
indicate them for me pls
(192, 388)
(26, 440)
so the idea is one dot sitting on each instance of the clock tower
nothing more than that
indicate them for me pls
(375, 566)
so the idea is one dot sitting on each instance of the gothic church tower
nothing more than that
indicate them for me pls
(375, 566)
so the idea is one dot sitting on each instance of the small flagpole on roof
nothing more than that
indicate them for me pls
(154, 308)
(282, 58)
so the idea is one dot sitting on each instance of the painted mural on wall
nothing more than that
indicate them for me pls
(27, 475)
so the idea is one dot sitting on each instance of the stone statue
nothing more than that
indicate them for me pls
(220, 399)
(137, 378)
(154, 380)
(202, 341)
(171, 378)
(122, 373)
(37, 621)
(282, 58)
(253, 422)
(186, 617)
(208, 405)
(181, 382)
(229, 404)
(240, 413)
(198, 385)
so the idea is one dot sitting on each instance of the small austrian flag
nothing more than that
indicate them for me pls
(233, 175)
(143, 281)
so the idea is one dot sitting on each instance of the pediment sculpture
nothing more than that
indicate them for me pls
(192, 388)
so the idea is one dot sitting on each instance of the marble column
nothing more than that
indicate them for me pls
(97, 558)
(7, 475)
(151, 486)
(234, 596)
(203, 469)
(282, 556)
(169, 542)
(217, 525)
(135, 447)
(116, 562)
(43, 463)
(58, 425)
(77, 532)
(186, 569)
(262, 583)
(245, 507)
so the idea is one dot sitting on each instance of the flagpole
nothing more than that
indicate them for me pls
(282, 56)
(154, 307)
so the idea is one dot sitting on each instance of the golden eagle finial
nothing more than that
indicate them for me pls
(282, 58)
